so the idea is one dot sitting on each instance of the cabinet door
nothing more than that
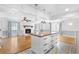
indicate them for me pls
(36, 44)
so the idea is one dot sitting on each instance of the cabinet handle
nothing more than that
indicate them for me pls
(45, 50)
(45, 44)
(45, 38)
(52, 36)
(52, 41)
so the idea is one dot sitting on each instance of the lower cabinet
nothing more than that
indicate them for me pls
(41, 45)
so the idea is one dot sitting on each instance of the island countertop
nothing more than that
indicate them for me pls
(43, 34)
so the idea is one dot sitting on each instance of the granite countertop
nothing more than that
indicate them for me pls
(43, 34)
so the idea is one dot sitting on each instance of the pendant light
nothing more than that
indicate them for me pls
(36, 5)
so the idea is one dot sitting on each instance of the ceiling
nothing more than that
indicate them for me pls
(57, 9)
(54, 10)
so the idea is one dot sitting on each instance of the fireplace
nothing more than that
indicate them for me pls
(27, 31)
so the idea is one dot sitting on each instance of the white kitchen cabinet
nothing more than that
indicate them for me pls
(41, 45)
(45, 44)
(35, 44)
(54, 39)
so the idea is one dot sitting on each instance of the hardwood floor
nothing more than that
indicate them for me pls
(15, 44)
(67, 39)
(67, 45)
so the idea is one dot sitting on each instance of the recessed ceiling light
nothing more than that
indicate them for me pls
(70, 24)
(67, 9)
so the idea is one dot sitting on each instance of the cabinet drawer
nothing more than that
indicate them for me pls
(45, 44)
(46, 40)
(45, 50)
(45, 47)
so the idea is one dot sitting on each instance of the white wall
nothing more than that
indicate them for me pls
(3, 24)
(66, 25)
(55, 26)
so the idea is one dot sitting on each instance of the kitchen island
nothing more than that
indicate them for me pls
(42, 43)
